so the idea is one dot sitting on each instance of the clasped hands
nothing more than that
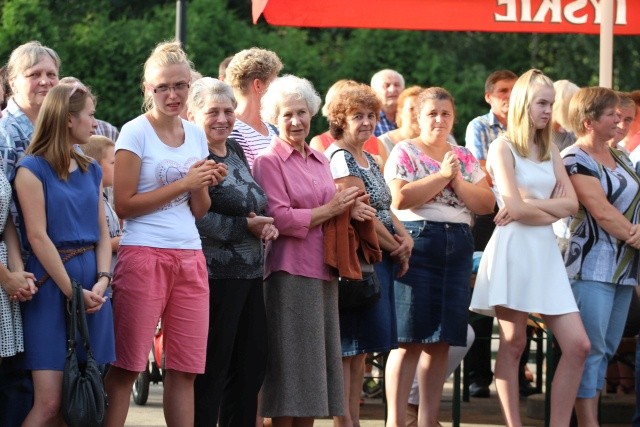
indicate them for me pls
(262, 227)
(20, 286)
(356, 199)
(204, 173)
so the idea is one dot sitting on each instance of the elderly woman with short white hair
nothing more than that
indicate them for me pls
(304, 369)
(232, 234)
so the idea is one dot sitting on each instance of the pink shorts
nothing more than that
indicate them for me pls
(150, 283)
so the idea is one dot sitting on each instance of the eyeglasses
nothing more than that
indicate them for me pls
(178, 87)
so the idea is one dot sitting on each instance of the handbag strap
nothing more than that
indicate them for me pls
(77, 320)
(65, 255)
(72, 320)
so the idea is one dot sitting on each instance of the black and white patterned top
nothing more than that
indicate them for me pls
(343, 164)
(593, 254)
(231, 250)
(10, 319)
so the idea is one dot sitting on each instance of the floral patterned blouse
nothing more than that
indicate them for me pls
(407, 162)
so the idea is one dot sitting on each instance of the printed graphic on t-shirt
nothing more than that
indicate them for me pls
(169, 171)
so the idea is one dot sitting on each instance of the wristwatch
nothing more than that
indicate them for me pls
(104, 274)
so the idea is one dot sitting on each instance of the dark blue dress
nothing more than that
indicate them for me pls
(72, 221)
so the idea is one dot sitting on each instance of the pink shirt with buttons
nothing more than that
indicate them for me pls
(294, 186)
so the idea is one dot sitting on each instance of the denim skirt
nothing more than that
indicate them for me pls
(372, 329)
(432, 299)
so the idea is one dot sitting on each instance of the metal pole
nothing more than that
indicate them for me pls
(181, 22)
(606, 43)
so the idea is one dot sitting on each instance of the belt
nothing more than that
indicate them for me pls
(65, 255)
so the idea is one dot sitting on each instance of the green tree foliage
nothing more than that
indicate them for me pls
(105, 43)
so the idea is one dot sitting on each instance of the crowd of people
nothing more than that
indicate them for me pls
(231, 226)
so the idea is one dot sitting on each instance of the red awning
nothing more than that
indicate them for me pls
(524, 16)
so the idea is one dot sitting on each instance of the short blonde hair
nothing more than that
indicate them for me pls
(163, 55)
(520, 125)
(564, 92)
(288, 88)
(589, 103)
(97, 147)
(250, 64)
(26, 56)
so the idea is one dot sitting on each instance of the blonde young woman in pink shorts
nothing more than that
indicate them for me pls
(160, 187)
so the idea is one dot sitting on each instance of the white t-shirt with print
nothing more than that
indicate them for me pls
(171, 226)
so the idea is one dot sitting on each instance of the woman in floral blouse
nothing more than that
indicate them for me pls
(435, 188)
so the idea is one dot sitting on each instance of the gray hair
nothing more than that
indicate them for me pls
(376, 79)
(206, 88)
(26, 56)
(287, 88)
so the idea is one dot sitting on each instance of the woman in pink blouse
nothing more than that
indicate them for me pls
(304, 370)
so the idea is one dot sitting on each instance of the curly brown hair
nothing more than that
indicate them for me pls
(345, 102)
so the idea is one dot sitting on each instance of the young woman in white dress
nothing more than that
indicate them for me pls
(522, 270)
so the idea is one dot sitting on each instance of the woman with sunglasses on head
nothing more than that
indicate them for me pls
(160, 187)
(65, 231)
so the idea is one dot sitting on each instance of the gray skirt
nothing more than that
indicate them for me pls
(304, 365)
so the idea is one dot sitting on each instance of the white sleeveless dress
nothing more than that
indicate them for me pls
(521, 267)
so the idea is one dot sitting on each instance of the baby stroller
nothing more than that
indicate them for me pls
(154, 372)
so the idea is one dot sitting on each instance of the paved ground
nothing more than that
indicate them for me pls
(476, 413)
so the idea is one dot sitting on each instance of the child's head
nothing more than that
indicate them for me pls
(102, 149)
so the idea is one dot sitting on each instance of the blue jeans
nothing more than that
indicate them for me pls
(603, 309)
(372, 329)
(432, 299)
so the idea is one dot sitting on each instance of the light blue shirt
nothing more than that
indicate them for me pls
(16, 137)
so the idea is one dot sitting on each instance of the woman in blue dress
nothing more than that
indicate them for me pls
(58, 195)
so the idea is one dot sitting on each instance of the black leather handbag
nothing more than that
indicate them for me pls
(84, 401)
(353, 294)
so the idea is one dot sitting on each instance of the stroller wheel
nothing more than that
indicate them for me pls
(140, 389)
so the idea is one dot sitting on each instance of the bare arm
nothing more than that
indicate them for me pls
(103, 249)
(129, 203)
(477, 197)
(408, 195)
(564, 201)
(16, 282)
(502, 165)
(594, 200)
(31, 197)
